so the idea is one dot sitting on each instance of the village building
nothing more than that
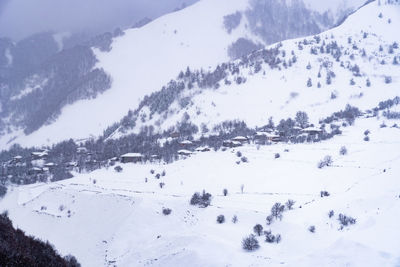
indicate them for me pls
(267, 136)
(114, 159)
(35, 170)
(71, 164)
(155, 158)
(240, 139)
(50, 165)
(39, 155)
(17, 159)
(132, 157)
(230, 143)
(184, 152)
(186, 144)
(312, 130)
(203, 149)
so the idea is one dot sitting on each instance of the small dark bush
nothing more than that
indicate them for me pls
(202, 201)
(346, 220)
(234, 219)
(289, 204)
(238, 154)
(269, 237)
(366, 138)
(244, 159)
(324, 194)
(225, 192)
(343, 150)
(327, 161)
(258, 229)
(311, 229)
(250, 243)
(269, 219)
(220, 219)
(166, 211)
(277, 155)
(331, 213)
(277, 210)
(118, 169)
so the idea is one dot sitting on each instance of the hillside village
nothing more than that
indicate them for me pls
(285, 156)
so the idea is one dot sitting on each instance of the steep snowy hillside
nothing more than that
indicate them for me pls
(356, 63)
(143, 60)
(109, 218)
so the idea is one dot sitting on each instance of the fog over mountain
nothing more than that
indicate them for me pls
(20, 18)
(224, 133)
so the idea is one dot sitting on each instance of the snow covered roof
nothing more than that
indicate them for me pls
(186, 142)
(50, 164)
(185, 152)
(239, 138)
(312, 129)
(132, 155)
(18, 157)
(39, 153)
(266, 134)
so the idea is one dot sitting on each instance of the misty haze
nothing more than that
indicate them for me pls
(199, 133)
(21, 18)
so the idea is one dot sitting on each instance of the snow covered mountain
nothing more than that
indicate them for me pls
(355, 63)
(137, 65)
(327, 195)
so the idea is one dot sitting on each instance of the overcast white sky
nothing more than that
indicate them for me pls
(19, 18)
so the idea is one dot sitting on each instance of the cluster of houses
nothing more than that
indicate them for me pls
(40, 164)
(188, 147)
(38, 160)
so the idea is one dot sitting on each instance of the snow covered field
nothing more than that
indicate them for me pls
(107, 218)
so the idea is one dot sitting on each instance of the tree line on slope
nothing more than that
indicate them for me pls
(17, 249)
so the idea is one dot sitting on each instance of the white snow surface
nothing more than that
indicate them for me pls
(115, 219)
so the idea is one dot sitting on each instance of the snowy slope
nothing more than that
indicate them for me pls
(145, 59)
(115, 219)
(142, 61)
(282, 91)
